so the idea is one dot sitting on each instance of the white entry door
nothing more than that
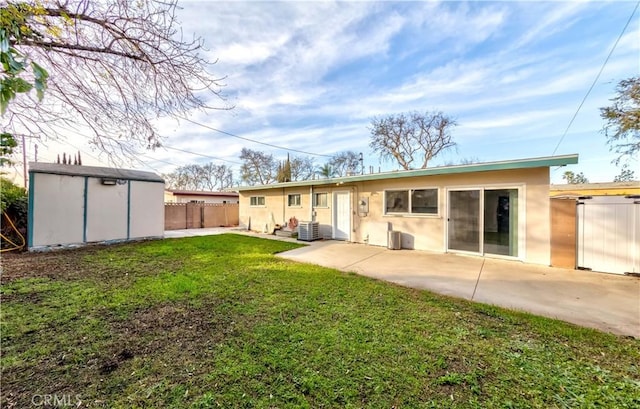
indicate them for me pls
(341, 215)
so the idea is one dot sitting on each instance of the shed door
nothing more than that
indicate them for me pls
(609, 234)
(341, 216)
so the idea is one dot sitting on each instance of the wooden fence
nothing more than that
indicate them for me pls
(200, 215)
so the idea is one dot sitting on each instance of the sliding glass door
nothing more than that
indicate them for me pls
(464, 220)
(483, 221)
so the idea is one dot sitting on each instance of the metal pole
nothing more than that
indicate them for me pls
(24, 161)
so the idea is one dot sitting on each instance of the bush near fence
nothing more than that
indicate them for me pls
(200, 215)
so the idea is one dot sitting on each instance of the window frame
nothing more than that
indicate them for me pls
(290, 195)
(326, 200)
(257, 204)
(409, 212)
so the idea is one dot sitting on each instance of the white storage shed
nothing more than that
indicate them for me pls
(71, 204)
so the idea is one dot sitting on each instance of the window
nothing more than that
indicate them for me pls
(294, 200)
(319, 200)
(424, 201)
(411, 201)
(256, 201)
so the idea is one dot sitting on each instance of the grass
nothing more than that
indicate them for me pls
(219, 321)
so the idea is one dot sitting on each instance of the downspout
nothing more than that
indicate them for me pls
(311, 217)
(284, 217)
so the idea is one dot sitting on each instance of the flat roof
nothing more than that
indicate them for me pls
(546, 161)
(202, 193)
(93, 171)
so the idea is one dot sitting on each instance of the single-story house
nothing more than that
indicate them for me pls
(199, 196)
(497, 209)
(72, 204)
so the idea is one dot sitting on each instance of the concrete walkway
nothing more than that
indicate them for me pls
(604, 301)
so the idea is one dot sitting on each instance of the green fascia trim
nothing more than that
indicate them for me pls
(546, 161)
(128, 209)
(30, 206)
(86, 202)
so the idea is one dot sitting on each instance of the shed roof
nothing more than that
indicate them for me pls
(93, 171)
(546, 161)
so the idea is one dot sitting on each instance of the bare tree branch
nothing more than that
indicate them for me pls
(114, 67)
(411, 137)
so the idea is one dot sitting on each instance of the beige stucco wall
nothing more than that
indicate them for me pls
(425, 232)
(147, 209)
(58, 209)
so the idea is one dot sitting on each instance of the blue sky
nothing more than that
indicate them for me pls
(311, 75)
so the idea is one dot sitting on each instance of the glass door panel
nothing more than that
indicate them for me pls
(500, 232)
(464, 220)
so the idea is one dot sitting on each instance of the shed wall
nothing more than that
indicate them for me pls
(58, 209)
(106, 211)
(147, 209)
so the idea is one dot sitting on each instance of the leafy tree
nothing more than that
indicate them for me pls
(7, 144)
(409, 137)
(112, 67)
(284, 171)
(622, 127)
(326, 171)
(257, 168)
(573, 178)
(344, 163)
(625, 175)
(16, 65)
(209, 176)
(10, 193)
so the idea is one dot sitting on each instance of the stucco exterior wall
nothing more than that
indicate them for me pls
(147, 209)
(58, 209)
(422, 232)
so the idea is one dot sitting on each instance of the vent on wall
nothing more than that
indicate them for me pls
(308, 231)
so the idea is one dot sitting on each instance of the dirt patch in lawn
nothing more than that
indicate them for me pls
(80, 263)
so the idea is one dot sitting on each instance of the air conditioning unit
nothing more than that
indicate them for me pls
(308, 231)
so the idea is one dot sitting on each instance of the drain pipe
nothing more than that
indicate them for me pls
(311, 217)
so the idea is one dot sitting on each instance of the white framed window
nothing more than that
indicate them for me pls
(411, 201)
(320, 199)
(293, 200)
(256, 201)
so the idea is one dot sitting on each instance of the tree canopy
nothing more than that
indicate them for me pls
(209, 177)
(112, 66)
(411, 137)
(574, 178)
(622, 126)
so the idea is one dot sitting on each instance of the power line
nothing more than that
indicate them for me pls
(200, 154)
(253, 140)
(597, 77)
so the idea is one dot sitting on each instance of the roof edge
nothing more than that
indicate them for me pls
(545, 161)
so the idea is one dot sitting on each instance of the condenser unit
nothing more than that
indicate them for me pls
(308, 231)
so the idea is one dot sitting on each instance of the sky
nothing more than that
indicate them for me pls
(310, 76)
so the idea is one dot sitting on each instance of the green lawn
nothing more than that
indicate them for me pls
(219, 321)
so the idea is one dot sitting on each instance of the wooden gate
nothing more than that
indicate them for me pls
(609, 234)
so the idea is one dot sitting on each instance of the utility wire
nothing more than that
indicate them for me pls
(200, 154)
(597, 77)
(253, 140)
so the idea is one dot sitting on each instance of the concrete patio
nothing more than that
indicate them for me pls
(604, 301)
